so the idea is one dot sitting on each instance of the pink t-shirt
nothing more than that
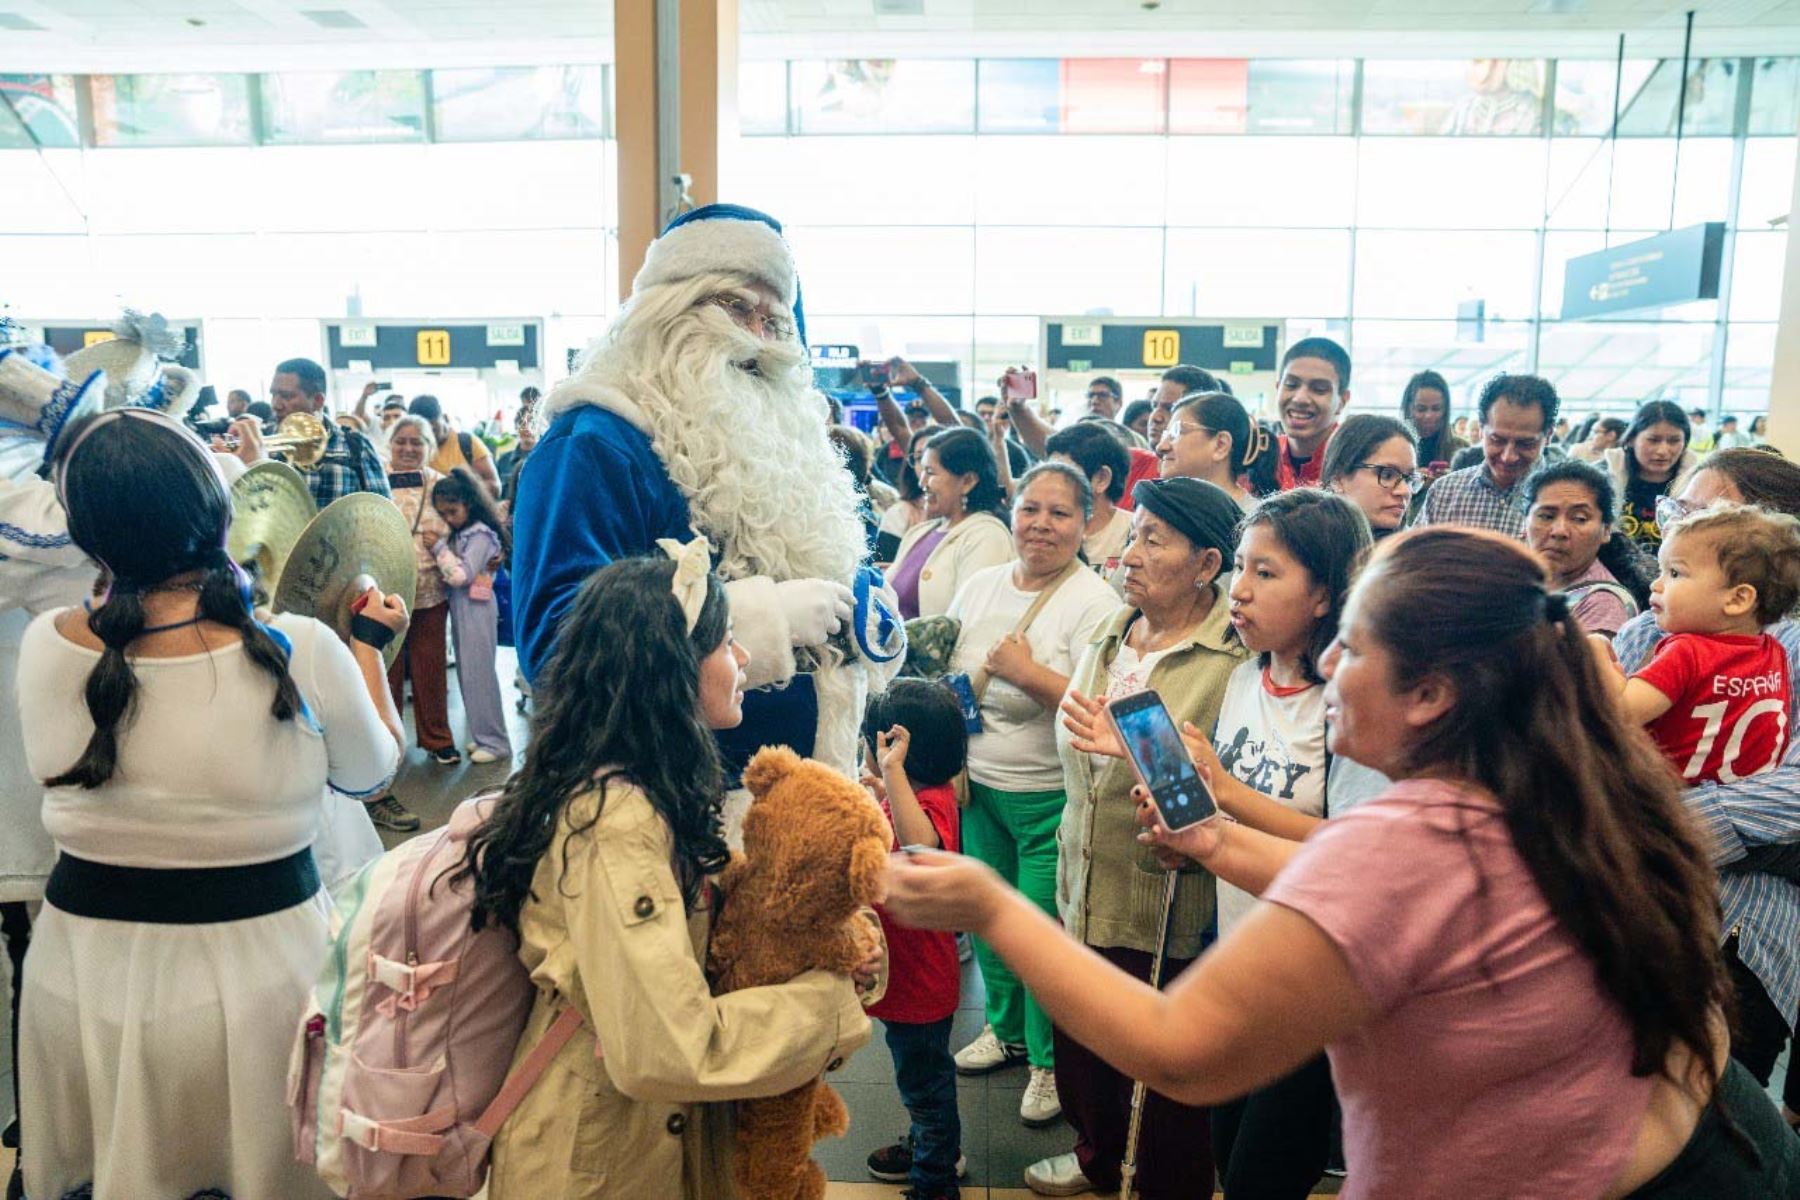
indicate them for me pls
(1494, 1066)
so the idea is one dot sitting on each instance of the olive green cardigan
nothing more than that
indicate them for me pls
(1109, 889)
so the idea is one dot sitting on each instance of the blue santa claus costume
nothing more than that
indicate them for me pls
(696, 414)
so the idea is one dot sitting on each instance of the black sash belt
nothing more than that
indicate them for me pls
(181, 895)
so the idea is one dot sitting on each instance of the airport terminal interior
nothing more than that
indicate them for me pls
(1014, 201)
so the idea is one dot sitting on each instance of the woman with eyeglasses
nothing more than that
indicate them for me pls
(1652, 461)
(1211, 437)
(1372, 461)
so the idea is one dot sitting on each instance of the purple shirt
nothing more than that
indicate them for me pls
(905, 580)
(1488, 1015)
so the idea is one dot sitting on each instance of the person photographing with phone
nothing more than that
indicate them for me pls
(1520, 934)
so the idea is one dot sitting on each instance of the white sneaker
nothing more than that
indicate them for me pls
(483, 756)
(987, 1053)
(1057, 1176)
(1040, 1104)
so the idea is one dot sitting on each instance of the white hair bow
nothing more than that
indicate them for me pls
(693, 563)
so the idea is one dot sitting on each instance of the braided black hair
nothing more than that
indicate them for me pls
(145, 500)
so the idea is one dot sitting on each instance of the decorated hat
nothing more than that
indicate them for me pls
(43, 401)
(725, 239)
(133, 359)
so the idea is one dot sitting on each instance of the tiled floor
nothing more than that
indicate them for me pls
(998, 1147)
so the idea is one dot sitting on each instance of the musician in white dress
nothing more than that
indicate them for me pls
(184, 750)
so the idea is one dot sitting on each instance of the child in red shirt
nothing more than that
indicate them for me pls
(1715, 694)
(915, 745)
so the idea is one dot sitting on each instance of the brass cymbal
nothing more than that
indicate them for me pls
(271, 506)
(359, 539)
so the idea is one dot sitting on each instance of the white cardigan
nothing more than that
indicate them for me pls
(1614, 463)
(979, 540)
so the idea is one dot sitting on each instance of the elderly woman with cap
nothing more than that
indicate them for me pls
(1175, 636)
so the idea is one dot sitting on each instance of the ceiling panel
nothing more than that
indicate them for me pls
(142, 34)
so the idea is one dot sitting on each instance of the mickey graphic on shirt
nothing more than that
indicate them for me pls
(1271, 774)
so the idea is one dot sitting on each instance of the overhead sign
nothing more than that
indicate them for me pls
(66, 338)
(434, 347)
(409, 345)
(1162, 347)
(1125, 345)
(1654, 272)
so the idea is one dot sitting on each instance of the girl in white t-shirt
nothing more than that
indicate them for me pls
(1297, 553)
(1016, 793)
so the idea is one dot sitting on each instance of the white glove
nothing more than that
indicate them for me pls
(815, 609)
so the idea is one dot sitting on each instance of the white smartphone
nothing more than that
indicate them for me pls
(1153, 746)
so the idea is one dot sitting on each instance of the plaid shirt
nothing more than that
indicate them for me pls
(350, 464)
(1469, 497)
(1762, 909)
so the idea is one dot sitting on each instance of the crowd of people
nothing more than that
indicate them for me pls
(1501, 897)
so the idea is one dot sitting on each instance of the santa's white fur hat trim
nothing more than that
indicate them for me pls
(720, 245)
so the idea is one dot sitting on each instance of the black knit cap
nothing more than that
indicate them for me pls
(1200, 510)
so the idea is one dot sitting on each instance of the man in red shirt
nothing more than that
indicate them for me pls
(1314, 390)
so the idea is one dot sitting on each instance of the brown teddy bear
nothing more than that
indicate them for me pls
(797, 899)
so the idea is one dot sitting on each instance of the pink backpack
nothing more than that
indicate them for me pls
(398, 1081)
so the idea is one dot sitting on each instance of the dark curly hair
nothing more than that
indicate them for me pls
(621, 692)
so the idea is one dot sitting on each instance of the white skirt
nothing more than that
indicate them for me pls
(153, 1058)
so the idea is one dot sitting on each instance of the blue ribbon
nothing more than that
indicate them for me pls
(886, 626)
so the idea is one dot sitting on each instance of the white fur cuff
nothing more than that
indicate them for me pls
(720, 246)
(762, 630)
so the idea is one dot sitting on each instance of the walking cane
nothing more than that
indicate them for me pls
(1128, 1168)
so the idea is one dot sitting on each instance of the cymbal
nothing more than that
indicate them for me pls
(357, 540)
(271, 506)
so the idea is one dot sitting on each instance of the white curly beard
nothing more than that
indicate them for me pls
(739, 427)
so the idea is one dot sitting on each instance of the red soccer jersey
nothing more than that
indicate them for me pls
(1290, 474)
(924, 978)
(1730, 694)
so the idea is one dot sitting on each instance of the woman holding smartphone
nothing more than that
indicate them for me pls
(1521, 934)
(1175, 636)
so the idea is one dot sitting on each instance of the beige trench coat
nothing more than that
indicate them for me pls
(636, 1116)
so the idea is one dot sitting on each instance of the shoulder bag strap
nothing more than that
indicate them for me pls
(978, 678)
(519, 1084)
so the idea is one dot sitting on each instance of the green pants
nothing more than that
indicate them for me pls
(1015, 833)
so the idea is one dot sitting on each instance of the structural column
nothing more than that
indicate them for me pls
(1784, 381)
(674, 92)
